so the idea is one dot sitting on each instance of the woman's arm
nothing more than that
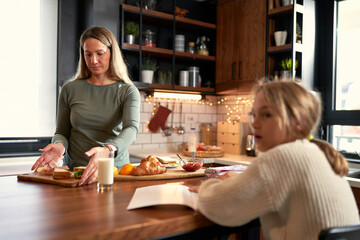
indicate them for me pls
(131, 120)
(63, 124)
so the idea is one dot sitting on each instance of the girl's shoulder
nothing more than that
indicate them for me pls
(298, 149)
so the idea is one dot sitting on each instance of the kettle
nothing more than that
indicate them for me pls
(250, 145)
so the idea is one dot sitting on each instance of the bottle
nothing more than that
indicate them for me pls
(191, 47)
(192, 141)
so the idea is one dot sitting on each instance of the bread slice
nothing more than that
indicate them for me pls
(60, 173)
(46, 171)
(166, 160)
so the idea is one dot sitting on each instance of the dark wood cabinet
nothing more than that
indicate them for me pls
(240, 49)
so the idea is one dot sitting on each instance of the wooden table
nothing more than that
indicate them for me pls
(39, 211)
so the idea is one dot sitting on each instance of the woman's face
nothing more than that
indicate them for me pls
(97, 56)
(265, 127)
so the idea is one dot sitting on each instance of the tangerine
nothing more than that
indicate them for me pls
(127, 169)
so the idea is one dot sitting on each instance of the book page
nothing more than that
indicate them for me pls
(163, 194)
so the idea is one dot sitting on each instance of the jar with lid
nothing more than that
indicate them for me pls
(149, 38)
(191, 47)
(202, 48)
(207, 133)
(194, 77)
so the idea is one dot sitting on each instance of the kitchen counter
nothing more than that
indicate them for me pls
(39, 211)
(232, 159)
(227, 159)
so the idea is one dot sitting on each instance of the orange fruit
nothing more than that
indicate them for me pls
(127, 169)
(116, 171)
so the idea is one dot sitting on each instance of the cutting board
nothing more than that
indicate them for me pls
(33, 177)
(171, 173)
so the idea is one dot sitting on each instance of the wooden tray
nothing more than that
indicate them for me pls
(172, 173)
(204, 154)
(33, 177)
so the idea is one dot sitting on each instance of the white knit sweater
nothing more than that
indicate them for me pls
(291, 188)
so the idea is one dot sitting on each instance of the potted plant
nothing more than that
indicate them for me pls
(147, 70)
(286, 67)
(131, 32)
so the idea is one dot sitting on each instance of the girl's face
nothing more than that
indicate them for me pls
(265, 127)
(97, 56)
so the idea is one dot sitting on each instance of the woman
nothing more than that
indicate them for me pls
(99, 111)
(291, 186)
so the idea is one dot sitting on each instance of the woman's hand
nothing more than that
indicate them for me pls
(52, 153)
(90, 174)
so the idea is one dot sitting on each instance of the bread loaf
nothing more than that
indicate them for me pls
(149, 166)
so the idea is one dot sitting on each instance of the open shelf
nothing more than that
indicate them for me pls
(170, 62)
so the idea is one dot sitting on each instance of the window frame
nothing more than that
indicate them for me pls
(29, 146)
(326, 25)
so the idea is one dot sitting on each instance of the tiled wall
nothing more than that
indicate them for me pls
(212, 110)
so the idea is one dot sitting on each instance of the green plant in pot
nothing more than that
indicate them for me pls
(131, 32)
(148, 68)
(286, 67)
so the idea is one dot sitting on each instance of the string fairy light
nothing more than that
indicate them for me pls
(234, 105)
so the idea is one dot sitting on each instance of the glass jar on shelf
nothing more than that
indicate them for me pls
(149, 38)
(202, 48)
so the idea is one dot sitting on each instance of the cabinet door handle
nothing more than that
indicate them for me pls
(232, 70)
(239, 65)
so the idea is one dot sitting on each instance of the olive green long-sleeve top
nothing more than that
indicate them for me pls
(93, 115)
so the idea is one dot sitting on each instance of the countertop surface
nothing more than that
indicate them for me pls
(46, 211)
(227, 159)
(232, 159)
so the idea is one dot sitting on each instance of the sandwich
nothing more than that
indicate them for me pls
(60, 173)
(78, 171)
(167, 160)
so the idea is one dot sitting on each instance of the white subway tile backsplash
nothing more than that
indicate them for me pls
(158, 137)
(194, 115)
(143, 139)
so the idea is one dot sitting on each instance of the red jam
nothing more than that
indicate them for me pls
(192, 168)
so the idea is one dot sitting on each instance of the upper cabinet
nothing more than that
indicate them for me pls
(166, 29)
(290, 39)
(240, 45)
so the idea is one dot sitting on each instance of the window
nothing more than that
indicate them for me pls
(28, 72)
(338, 72)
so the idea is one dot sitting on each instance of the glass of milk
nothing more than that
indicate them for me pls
(105, 171)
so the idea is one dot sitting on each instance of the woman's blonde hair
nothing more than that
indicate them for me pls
(118, 69)
(298, 111)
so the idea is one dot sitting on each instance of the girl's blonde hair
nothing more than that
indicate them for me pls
(118, 69)
(298, 111)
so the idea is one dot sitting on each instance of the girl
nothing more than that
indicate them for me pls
(295, 187)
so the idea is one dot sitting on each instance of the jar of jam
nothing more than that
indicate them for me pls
(149, 38)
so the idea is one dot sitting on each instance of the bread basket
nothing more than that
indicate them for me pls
(204, 154)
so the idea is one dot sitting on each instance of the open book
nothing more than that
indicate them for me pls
(163, 194)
